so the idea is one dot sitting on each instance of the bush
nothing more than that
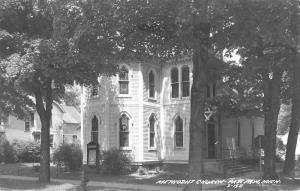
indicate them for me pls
(27, 151)
(115, 162)
(7, 152)
(70, 155)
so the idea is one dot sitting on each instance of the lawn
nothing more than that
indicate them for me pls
(27, 169)
(8, 184)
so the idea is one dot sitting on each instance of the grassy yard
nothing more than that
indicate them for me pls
(27, 169)
(8, 184)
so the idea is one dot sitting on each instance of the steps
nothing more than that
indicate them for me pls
(234, 167)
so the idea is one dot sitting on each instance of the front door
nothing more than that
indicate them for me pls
(211, 139)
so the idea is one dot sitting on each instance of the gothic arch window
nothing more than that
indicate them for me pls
(152, 131)
(151, 84)
(175, 83)
(124, 131)
(185, 81)
(178, 123)
(94, 132)
(124, 80)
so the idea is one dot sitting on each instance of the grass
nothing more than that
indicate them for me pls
(8, 184)
(175, 172)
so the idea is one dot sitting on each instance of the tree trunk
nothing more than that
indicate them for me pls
(289, 164)
(45, 113)
(200, 32)
(271, 88)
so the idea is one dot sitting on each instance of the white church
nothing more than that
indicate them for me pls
(145, 111)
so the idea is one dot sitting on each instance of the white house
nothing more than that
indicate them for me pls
(64, 127)
(145, 110)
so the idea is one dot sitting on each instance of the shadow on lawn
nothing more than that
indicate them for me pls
(22, 184)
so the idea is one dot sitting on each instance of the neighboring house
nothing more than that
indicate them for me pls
(145, 110)
(64, 127)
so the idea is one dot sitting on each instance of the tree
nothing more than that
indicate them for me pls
(289, 165)
(260, 31)
(163, 29)
(46, 45)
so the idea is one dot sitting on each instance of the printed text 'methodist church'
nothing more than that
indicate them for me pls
(145, 111)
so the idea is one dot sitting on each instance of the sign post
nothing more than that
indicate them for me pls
(93, 155)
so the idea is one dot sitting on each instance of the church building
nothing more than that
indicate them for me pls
(145, 111)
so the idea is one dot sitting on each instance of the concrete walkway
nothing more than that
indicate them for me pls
(110, 185)
(127, 186)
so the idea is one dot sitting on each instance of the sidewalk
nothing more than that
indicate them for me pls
(110, 185)
(127, 186)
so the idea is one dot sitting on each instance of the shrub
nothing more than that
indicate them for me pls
(7, 152)
(115, 162)
(27, 151)
(70, 155)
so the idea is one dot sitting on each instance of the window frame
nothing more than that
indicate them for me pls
(152, 85)
(176, 83)
(76, 139)
(152, 116)
(124, 81)
(176, 132)
(238, 126)
(94, 91)
(188, 81)
(127, 132)
(27, 126)
(93, 131)
(51, 140)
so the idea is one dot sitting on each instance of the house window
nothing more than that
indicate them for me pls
(27, 126)
(152, 122)
(51, 141)
(124, 131)
(211, 90)
(151, 85)
(32, 119)
(214, 89)
(185, 82)
(37, 136)
(238, 133)
(95, 90)
(94, 134)
(208, 91)
(123, 81)
(178, 132)
(74, 138)
(174, 83)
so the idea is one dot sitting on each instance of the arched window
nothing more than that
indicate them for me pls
(174, 83)
(124, 131)
(94, 134)
(151, 85)
(178, 132)
(152, 124)
(123, 80)
(185, 82)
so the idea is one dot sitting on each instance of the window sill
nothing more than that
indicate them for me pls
(94, 97)
(152, 99)
(179, 149)
(125, 149)
(186, 98)
(124, 96)
(152, 149)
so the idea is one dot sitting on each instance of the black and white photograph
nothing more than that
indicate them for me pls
(149, 95)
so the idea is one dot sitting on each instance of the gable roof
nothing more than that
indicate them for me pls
(71, 115)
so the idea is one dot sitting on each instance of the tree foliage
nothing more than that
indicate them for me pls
(46, 45)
